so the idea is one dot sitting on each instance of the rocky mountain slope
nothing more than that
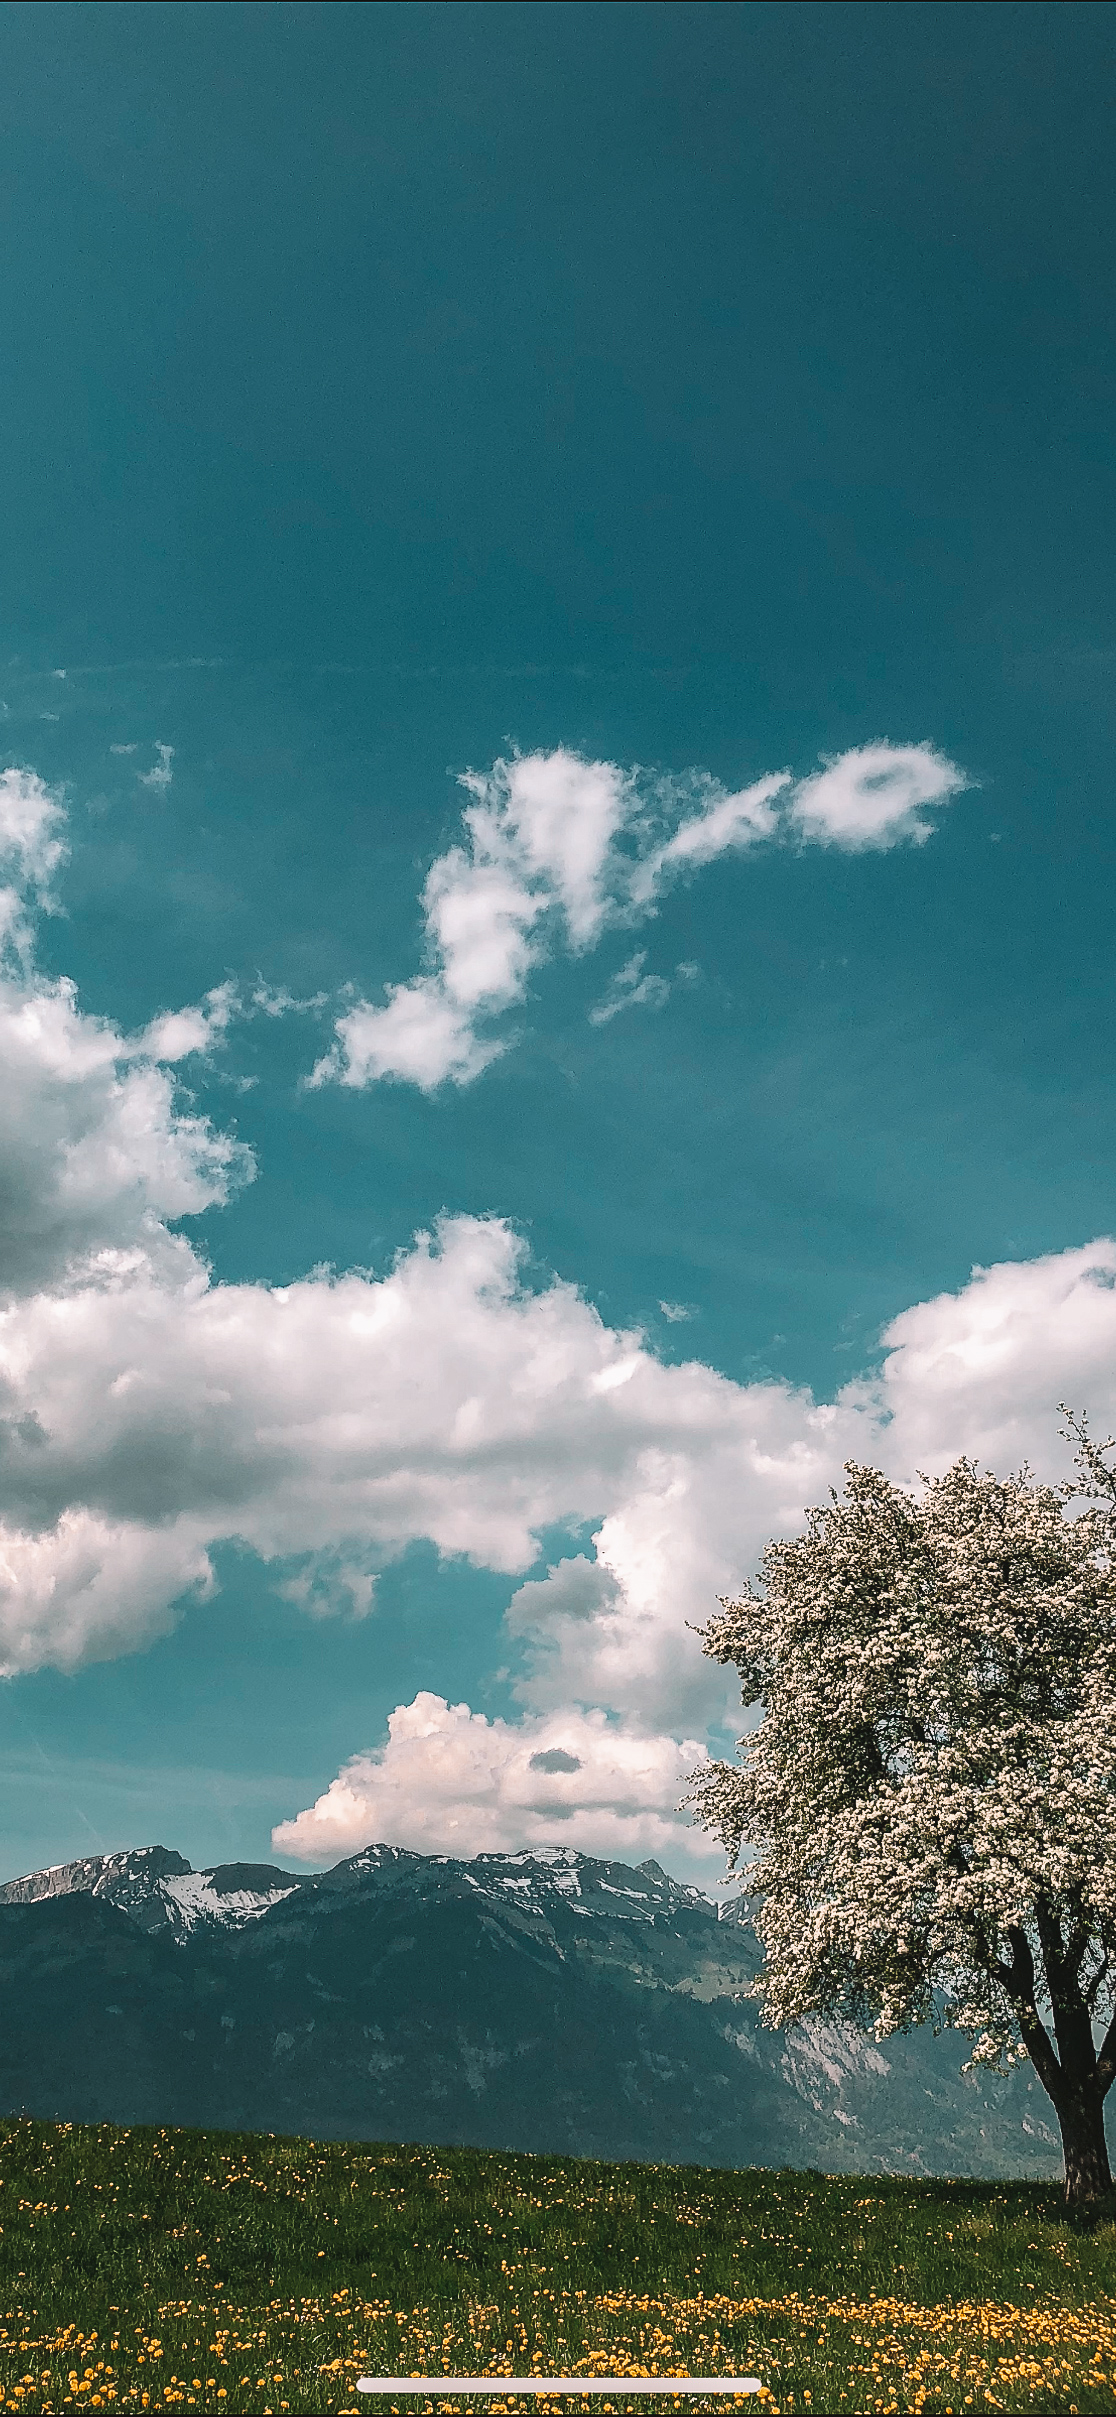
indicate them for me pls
(159, 1889)
(545, 2001)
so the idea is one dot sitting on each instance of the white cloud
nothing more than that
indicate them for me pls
(561, 815)
(555, 850)
(422, 1036)
(95, 1153)
(728, 823)
(982, 1370)
(188, 1031)
(160, 775)
(631, 987)
(451, 1782)
(32, 848)
(347, 1417)
(330, 1587)
(350, 1416)
(31, 826)
(273, 1001)
(539, 831)
(873, 797)
(90, 1588)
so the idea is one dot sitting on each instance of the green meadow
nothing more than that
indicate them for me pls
(148, 2269)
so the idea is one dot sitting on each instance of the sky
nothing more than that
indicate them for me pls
(556, 870)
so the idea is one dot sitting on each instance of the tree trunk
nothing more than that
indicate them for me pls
(1088, 2176)
(1074, 2078)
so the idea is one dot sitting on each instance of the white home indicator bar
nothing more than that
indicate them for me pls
(497, 2387)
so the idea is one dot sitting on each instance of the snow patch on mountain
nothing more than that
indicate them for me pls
(198, 1900)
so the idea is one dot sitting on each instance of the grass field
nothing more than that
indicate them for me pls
(191, 2270)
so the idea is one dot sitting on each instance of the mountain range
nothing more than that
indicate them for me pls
(548, 2000)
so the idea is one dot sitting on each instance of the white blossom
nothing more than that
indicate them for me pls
(930, 1795)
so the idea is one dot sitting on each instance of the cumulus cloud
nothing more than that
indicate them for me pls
(89, 1588)
(562, 816)
(423, 1036)
(556, 849)
(344, 1418)
(980, 1370)
(188, 1031)
(329, 1586)
(95, 1153)
(332, 1421)
(451, 1782)
(349, 1416)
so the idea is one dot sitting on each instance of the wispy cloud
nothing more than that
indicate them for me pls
(555, 850)
(160, 775)
(730, 821)
(631, 987)
(275, 1000)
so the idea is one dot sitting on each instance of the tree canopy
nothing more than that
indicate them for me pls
(930, 1794)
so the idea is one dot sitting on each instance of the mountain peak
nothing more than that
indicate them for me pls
(141, 1867)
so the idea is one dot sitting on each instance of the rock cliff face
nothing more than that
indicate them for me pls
(542, 2001)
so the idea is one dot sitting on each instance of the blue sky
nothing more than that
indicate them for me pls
(650, 401)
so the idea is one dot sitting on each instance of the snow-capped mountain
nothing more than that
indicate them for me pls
(547, 2000)
(159, 1889)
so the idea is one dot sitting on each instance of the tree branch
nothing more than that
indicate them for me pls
(1106, 2061)
(1075, 1950)
(1018, 1979)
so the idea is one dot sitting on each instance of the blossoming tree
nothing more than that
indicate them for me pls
(931, 1790)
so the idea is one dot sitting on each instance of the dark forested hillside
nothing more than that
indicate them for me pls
(546, 2001)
